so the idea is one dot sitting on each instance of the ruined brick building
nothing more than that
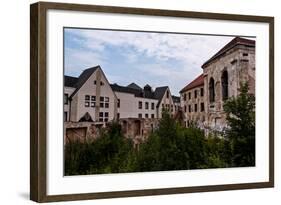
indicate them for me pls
(203, 98)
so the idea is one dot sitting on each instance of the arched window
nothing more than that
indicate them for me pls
(212, 90)
(224, 85)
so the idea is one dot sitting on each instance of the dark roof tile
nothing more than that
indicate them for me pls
(70, 81)
(83, 78)
(199, 81)
(134, 85)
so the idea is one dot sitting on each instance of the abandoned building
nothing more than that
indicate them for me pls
(222, 75)
(192, 98)
(90, 100)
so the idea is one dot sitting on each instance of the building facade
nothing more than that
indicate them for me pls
(193, 104)
(91, 99)
(221, 79)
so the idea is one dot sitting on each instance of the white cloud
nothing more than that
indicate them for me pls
(77, 60)
(191, 48)
(191, 51)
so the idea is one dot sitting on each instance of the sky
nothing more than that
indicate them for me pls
(157, 59)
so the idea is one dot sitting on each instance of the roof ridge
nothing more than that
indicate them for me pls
(199, 80)
(235, 41)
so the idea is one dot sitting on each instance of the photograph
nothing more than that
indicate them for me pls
(146, 101)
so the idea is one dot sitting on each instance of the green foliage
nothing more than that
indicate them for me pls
(107, 154)
(241, 133)
(171, 146)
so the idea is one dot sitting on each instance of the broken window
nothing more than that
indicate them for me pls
(212, 90)
(224, 84)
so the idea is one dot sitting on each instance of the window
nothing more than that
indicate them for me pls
(195, 93)
(104, 102)
(65, 116)
(185, 108)
(224, 84)
(202, 92)
(167, 94)
(140, 105)
(93, 101)
(152, 116)
(95, 82)
(140, 115)
(195, 108)
(101, 83)
(90, 101)
(101, 117)
(152, 106)
(184, 97)
(146, 115)
(202, 107)
(146, 105)
(65, 99)
(106, 117)
(189, 95)
(118, 115)
(212, 90)
(87, 100)
(93, 104)
(189, 108)
(118, 103)
(245, 54)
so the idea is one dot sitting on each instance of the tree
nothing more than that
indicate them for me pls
(240, 115)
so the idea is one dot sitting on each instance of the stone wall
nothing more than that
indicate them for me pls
(193, 115)
(137, 129)
(239, 63)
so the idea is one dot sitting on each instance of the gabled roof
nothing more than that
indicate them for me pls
(83, 78)
(143, 93)
(234, 42)
(199, 81)
(125, 89)
(134, 86)
(176, 99)
(70, 81)
(160, 92)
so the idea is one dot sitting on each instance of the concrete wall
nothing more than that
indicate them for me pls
(129, 106)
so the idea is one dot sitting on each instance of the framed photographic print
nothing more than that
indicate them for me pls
(135, 102)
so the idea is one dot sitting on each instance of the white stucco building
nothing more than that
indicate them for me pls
(91, 98)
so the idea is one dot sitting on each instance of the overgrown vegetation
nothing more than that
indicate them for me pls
(171, 146)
